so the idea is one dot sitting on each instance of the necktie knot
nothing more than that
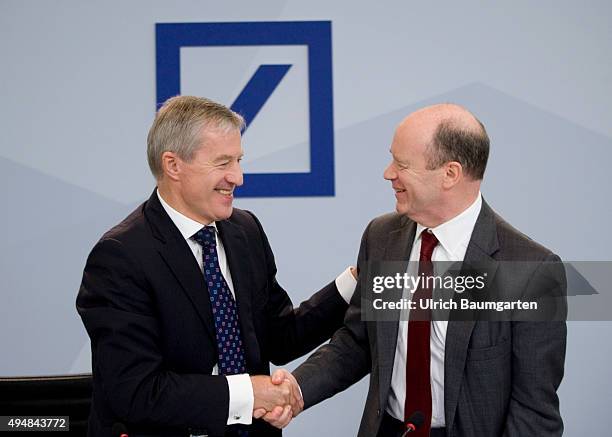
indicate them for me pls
(428, 244)
(205, 236)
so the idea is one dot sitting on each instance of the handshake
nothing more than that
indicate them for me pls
(278, 398)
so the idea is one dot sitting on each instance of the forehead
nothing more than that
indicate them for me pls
(216, 142)
(411, 139)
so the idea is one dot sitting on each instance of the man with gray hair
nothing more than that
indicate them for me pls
(181, 302)
(453, 376)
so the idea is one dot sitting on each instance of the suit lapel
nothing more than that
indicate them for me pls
(178, 256)
(398, 247)
(237, 251)
(483, 244)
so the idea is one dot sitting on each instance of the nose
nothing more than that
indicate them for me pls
(390, 173)
(235, 175)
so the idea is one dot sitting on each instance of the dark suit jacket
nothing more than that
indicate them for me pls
(145, 306)
(500, 377)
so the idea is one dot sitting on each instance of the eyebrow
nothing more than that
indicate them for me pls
(395, 157)
(227, 157)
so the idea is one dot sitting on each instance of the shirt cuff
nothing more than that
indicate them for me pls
(346, 283)
(241, 399)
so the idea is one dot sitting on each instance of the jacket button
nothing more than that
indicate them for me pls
(378, 412)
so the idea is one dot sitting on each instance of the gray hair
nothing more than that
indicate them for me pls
(178, 126)
(454, 141)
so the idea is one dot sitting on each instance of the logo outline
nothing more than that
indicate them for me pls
(316, 35)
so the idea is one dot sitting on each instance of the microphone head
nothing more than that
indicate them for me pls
(119, 430)
(416, 419)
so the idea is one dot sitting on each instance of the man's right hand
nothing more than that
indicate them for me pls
(269, 395)
(281, 414)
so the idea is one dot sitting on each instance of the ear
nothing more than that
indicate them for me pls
(453, 173)
(171, 165)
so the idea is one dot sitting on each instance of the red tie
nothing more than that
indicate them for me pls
(418, 384)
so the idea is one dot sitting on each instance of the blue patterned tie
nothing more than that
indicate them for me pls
(229, 337)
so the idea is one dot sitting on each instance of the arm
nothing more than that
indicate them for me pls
(346, 358)
(293, 332)
(538, 354)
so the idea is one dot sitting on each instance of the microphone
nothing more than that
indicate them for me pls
(414, 422)
(119, 430)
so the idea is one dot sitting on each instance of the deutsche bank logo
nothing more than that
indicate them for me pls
(315, 38)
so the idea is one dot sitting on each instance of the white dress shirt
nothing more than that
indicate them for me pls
(241, 397)
(453, 237)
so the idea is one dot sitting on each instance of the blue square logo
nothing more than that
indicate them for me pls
(316, 37)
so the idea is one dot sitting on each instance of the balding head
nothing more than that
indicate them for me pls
(439, 156)
(446, 111)
(451, 133)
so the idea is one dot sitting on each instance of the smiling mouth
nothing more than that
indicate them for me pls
(225, 192)
(399, 190)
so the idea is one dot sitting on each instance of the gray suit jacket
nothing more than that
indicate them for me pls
(500, 377)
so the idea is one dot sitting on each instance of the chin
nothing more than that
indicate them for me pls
(225, 214)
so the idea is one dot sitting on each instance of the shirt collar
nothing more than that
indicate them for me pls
(186, 226)
(458, 230)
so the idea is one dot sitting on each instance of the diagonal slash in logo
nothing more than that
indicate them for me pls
(258, 90)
